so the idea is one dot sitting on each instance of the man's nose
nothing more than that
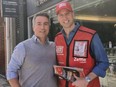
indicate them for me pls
(42, 26)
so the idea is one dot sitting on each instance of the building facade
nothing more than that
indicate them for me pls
(2, 45)
(13, 29)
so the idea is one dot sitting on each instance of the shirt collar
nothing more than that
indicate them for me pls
(77, 25)
(37, 40)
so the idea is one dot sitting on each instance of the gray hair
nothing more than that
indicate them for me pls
(40, 14)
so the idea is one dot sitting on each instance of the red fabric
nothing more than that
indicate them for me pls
(63, 5)
(78, 57)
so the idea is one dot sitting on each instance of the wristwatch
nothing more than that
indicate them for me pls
(88, 79)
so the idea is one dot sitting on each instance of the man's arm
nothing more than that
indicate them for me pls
(101, 63)
(100, 55)
(83, 82)
(15, 64)
(14, 82)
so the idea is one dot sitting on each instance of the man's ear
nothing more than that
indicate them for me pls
(33, 28)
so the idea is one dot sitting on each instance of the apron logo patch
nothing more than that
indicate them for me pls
(59, 50)
(80, 49)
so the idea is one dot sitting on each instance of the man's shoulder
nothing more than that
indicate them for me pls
(19, 47)
(87, 30)
(59, 33)
(27, 41)
(21, 44)
(52, 43)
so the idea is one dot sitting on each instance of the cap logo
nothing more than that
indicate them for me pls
(62, 4)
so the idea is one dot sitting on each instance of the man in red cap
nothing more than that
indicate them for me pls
(81, 47)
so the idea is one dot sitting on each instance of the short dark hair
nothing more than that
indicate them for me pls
(40, 14)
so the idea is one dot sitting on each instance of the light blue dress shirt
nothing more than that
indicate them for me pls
(17, 59)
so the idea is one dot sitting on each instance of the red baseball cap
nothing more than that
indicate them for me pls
(63, 5)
